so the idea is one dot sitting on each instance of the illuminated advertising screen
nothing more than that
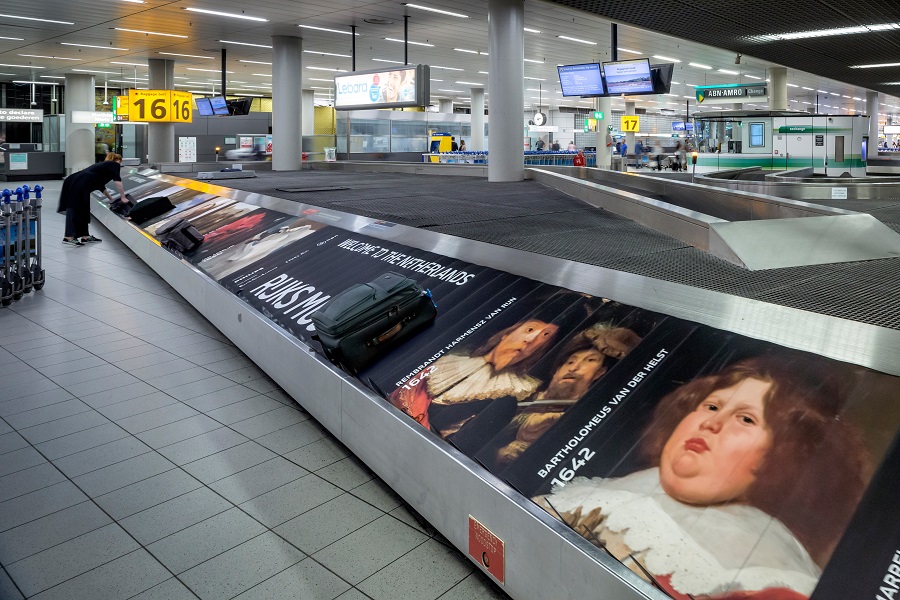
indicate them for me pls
(397, 88)
(581, 80)
(628, 77)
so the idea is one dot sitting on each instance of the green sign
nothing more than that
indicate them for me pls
(587, 125)
(728, 92)
(598, 115)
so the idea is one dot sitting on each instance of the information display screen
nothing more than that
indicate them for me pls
(219, 106)
(682, 126)
(204, 109)
(581, 80)
(628, 77)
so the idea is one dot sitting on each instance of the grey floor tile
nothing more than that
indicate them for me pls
(378, 494)
(347, 473)
(353, 594)
(144, 494)
(211, 356)
(8, 590)
(31, 479)
(88, 342)
(120, 474)
(136, 406)
(242, 567)
(326, 524)
(59, 563)
(249, 373)
(71, 366)
(295, 436)
(4, 427)
(258, 480)
(228, 462)
(145, 360)
(290, 500)
(424, 573)
(61, 347)
(86, 461)
(64, 427)
(175, 380)
(229, 364)
(170, 589)
(33, 401)
(44, 414)
(369, 549)
(132, 352)
(307, 580)
(95, 386)
(245, 409)
(178, 431)
(198, 348)
(18, 460)
(163, 369)
(55, 358)
(402, 513)
(121, 578)
(157, 418)
(202, 445)
(318, 454)
(199, 388)
(37, 387)
(103, 370)
(12, 441)
(475, 587)
(198, 543)
(82, 440)
(51, 530)
(262, 385)
(221, 398)
(174, 515)
(282, 397)
(120, 394)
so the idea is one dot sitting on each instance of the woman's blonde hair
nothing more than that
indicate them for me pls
(114, 156)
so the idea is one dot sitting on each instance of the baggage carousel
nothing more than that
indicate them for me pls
(268, 262)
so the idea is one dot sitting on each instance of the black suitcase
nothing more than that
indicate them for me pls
(179, 235)
(150, 208)
(367, 320)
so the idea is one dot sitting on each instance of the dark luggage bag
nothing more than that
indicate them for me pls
(367, 320)
(179, 235)
(150, 208)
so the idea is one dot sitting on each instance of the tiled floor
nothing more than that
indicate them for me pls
(143, 456)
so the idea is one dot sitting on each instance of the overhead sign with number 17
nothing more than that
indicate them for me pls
(160, 106)
(631, 123)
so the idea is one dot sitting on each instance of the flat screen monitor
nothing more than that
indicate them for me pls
(628, 77)
(581, 80)
(240, 106)
(204, 109)
(682, 126)
(662, 77)
(219, 106)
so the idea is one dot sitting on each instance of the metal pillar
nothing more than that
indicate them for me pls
(286, 109)
(506, 43)
(778, 88)
(477, 141)
(604, 152)
(308, 113)
(872, 111)
(161, 136)
(79, 136)
(445, 105)
(629, 136)
(224, 62)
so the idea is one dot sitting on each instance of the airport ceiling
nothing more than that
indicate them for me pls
(92, 36)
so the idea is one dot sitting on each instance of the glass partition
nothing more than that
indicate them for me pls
(398, 131)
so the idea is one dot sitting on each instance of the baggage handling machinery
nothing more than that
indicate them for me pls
(20, 220)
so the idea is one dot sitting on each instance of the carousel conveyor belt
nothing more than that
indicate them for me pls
(529, 216)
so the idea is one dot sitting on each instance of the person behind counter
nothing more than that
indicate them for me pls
(75, 197)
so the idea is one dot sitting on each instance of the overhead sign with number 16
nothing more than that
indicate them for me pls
(160, 106)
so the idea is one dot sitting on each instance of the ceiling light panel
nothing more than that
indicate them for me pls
(50, 57)
(218, 13)
(699, 66)
(21, 18)
(244, 44)
(142, 31)
(578, 40)
(666, 58)
(326, 29)
(411, 43)
(319, 53)
(20, 66)
(93, 46)
(187, 55)
(438, 10)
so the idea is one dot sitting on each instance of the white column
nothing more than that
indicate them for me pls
(308, 113)
(506, 45)
(161, 136)
(778, 88)
(79, 136)
(477, 141)
(872, 111)
(286, 130)
(445, 105)
(604, 153)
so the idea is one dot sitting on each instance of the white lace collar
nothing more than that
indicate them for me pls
(706, 550)
(464, 379)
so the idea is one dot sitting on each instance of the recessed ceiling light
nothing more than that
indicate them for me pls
(409, 42)
(37, 82)
(94, 71)
(21, 66)
(728, 72)
(483, 73)
(51, 76)
(793, 85)
(134, 1)
(699, 66)
(244, 44)
(798, 35)
(255, 75)
(467, 51)
(822, 91)
(225, 14)
(660, 57)
(255, 62)
(580, 41)
(437, 10)
(50, 57)
(531, 60)
(437, 80)
(806, 88)
(469, 83)
(326, 69)
(450, 91)
(186, 55)
(752, 77)
(530, 30)
(208, 70)
(113, 62)
(92, 46)
(35, 19)
(150, 32)
(384, 60)
(322, 54)
(326, 29)
(326, 80)
(2, 37)
(535, 78)
(857, 99)
(628, 51)
(446, 68)
(876, 66)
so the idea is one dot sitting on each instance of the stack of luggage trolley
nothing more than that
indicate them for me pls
(20, 234)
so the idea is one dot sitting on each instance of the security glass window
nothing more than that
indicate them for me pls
(757, 135)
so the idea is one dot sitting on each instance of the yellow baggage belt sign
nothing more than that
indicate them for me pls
(160, 106)
(631, 123)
